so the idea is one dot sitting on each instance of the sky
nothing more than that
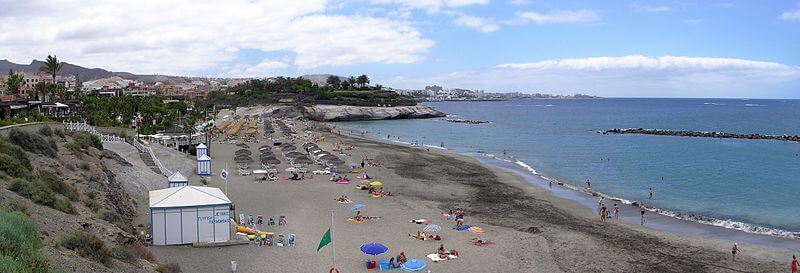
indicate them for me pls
(736, 49)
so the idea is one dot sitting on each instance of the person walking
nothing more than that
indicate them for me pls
(603, 213)
(734, 250)
(616, 213)
(794, 264)
(641, 211)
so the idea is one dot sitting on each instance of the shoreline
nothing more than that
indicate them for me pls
(674, 222)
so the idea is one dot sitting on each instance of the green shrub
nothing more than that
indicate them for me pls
(114, 218)
(124, 253)
(143, 252)
(11, 205)
(89, 246)
(20, 249)
(84, 166)
(64, 205)
(171, 267)
(31, 142)
(59, 132)
(38, 192)
(46, 131)
(86, 140)
(14, 151)
(91, 204)
(13, 167)
(57, 185)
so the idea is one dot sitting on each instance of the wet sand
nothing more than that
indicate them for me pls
(533, 231)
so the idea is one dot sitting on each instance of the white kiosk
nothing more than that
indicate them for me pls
(189, 214)
(201, 150)
(204, 165)
(177, 180)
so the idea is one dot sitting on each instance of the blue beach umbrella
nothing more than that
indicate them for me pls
(357, 207)
(374, 249)
(414, 265)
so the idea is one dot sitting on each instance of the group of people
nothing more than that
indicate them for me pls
(605, 213)
(259, 220)
(444, 254)
(396, 262)
(421, 235)
(342, 199)
(457, 215)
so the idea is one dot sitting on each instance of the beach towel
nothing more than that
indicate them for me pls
(376, 195)
(357, 220)
(284, 179)
(420, 221)
(342, 182)
(435, 257)
(461, 228)
(344, 202)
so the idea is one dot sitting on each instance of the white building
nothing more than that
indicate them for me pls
(204, 165)
(177, 180)
(189, 214)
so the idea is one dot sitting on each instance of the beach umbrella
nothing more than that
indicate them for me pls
(414, 265)
(376, 183)
(243, 152)
(303, 160)
(374, 249)
(288, 148)
(476, 230)
(265, 146)
(270, 160)
(432, 228)
(357, 207)
(242, 145)
(291, 169)
(295, 154)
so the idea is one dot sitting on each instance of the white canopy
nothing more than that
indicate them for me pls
(204, 157)
(177, 177)
(201, 146)
(187, 196)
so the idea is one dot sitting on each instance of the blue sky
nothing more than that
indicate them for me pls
(607, 48)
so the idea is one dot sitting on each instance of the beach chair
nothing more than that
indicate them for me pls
(281, 240)
(271, 221)
(282, 221)
(290, 239)
(260, 220)
(243, 172)
(241, 219)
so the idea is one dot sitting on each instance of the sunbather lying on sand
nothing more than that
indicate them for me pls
(342, 199)
(480, 242)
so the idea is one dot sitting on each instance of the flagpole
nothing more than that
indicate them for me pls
(333, 242)
(226, 178)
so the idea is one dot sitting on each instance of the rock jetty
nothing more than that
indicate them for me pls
(640, 131)
(467, 121)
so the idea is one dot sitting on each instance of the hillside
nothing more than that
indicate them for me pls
(90, 74)
(70, 189)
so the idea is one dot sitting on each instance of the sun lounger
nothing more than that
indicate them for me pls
(345, 202)
(420, 221)
(383, 265)
(290, 240)
(435, 257)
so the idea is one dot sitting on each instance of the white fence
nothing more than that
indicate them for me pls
(146, 149)
(82, 126)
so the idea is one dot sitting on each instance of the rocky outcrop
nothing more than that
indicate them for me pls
(345, 112)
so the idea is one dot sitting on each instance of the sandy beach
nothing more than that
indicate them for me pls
(532, 230)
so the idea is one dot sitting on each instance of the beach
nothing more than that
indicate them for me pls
(533, 231)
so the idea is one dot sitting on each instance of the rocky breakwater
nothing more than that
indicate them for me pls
(346, 112)
(640, 131)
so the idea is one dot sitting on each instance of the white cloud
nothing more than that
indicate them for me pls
(627, 76)
(185, 36)
(479, 23)
(263, 69)
(560, 16)
(791, 15)
(432, 5)
(658, 9)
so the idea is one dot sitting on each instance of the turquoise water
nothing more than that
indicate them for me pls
(752, 185)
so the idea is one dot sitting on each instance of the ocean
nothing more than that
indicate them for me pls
(748, 185)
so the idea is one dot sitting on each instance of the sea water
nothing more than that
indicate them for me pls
(750, 185)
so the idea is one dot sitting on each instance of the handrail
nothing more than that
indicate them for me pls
(83, 126)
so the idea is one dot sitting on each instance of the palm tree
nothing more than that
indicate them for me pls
(333, 81)
(52, 66)
(351, 81)
(188, 129)
(363, 80)
(13, 83)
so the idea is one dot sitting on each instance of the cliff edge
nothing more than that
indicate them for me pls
(346, 112)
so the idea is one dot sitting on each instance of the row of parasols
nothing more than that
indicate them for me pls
(320, 154)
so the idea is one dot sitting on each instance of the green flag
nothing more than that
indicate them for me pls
(326, 239)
